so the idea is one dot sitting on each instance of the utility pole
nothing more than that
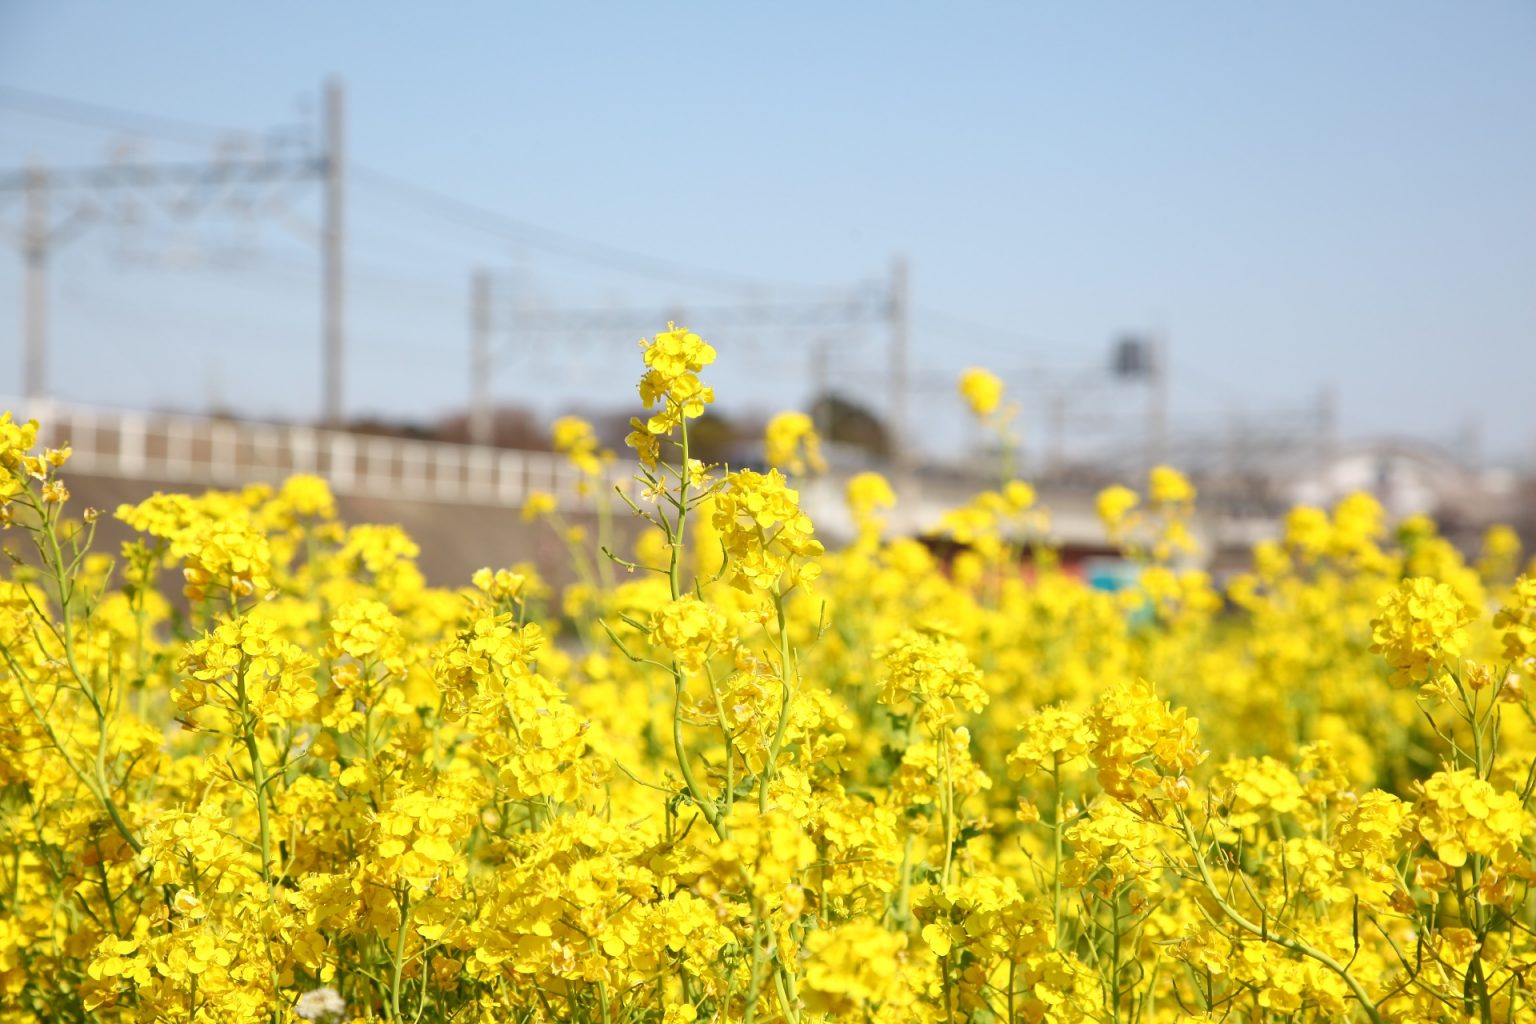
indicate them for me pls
(333, 285)
(1157, 400)
(821, 396)
(1327, 425)
(35, 254)
(187, 189)
(480, 426)
(1235, 459)
(872, 306)
(899, 313)
(1056, 412)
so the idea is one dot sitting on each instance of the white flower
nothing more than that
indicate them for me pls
(320, 1004)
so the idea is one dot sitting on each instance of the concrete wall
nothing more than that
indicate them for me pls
(455, 540)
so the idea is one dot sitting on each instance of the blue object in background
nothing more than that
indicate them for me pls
(1110, 574)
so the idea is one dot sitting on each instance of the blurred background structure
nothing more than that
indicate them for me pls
(1284, 250)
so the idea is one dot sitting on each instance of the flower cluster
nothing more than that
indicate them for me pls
(689, 630)
(790, 443)
(243, 666)
(575, 438)
(769, 542)
(1421, 627)
(672, 387)
(982, 391)
(951, 782)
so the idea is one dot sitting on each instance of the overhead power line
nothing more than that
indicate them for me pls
(445, 207)
(112, 118)
(497, 224)
(138, 175)
(852, 309)
(189, 184)
(973, 332)
(755, 301)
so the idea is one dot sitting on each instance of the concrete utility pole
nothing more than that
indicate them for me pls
(188, 189)
(1235, 457)
(35, 315)
(1056, 445)
(1157, 400)
(870, 306)
(900, 315)
(334, 283)
(821, 405)
(481, 429)
(1327, 424)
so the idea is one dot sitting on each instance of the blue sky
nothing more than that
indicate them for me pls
(1299, 195)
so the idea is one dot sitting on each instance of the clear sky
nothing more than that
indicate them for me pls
(1299, 194)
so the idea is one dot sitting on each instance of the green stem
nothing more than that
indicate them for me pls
(95, 786)
(1294, 945)
(948, 806)
(904, 894)
(709, 808)
(1056, 863)
(679, 532)
(403, 897)
(1012, 1013)
(676, 537)
(1114, 966)
(777, 745)
(258, 778)
(1477, 734)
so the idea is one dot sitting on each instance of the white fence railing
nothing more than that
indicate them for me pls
(207, 451)
(201, 451)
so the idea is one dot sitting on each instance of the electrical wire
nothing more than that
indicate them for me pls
(493, 222)
(474, 217)
(959, 327)
(112, 118)
(439, 204)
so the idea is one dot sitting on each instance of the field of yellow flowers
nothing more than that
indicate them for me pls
(731, 776)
